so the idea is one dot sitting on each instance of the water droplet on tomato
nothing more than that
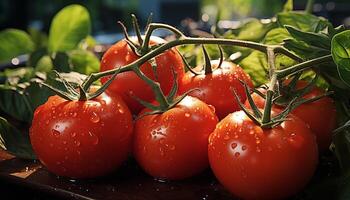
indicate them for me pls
(64, 142)
(74, 114)
(55, 132)
(187, 114)
(78, 152)
(257, 141)
(172, 147)
(226, 137)
(212, 108)
(94, 138)
(244, 148)
(121, 110)
(73, 134)
(233, 145)
(258, 149)
(94, 118)
(251, 132)
(237, 154)
(77, 143)
(47, 122)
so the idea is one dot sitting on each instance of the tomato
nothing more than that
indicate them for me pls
(215, 88)
(256, 163)
(173, 145)
(82, 139)
(320, 115)
(128, 84)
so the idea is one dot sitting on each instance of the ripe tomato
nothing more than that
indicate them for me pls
(174, 145)
(256, 163)
(128, 84)
(320, 115)
(215, 88)
(82, 139)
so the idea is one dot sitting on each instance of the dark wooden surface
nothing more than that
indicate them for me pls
(127, 183)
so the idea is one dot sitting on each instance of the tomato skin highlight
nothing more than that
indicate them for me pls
(128, 84)
(82, 139)
(256, 163)
(216, 88)
(320, 115)
(174, 145)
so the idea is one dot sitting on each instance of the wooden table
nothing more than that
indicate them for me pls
(127, 183)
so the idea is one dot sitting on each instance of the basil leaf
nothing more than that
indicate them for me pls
(68, 28)
(15, 141)
(60, 62)
(288, 6)
(310, 38)
(341, 55)
(84, 61)
(14, 43)
(276, 36)
(302, 21)
(256, 66)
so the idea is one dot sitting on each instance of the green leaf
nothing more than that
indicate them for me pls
(39, 38)
(305, 50)
(83, 61)
(288, 6)
(310, 38)
(276, 36)
(254, 30)
(14, 43)
(44, 64)
(14, 141)
(341, 55)
(60, 62)
(256, 66)
(302, 21)
(68, 28)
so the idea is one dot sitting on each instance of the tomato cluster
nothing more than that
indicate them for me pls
(90, 138)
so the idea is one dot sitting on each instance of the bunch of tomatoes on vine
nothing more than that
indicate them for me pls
(177, 120)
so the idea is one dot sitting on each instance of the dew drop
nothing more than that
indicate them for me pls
(237, 154)
(64, 142)
(251, 132)
(78, 152)
(233, 145)
(77, 143)
(257, 141)
(244, 148)
(226, 137)
(55, 132)
(121, 110)
(172, 147)
(187, 114)
(73, 134)
(212, 108)
(94, 118)
(47, 122)
(94, 138)
(74, 114)
(258, 149)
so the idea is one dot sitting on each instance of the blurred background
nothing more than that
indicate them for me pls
(24, 14)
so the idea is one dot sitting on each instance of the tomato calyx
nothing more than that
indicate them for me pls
(81, 93)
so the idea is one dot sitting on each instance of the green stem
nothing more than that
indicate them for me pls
(309, 6)
(160, 97)
(302, 66)
(266, 118)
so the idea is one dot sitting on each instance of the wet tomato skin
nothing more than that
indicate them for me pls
(82, 139)
(216, 88)
(320, 115)
(174, 145)
(128, 84)
(256, 163)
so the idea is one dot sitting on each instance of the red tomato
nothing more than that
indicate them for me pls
(256, 163)
(174, 145)
(128, 84)
(320, 115)
(215, 89)
(82, 139)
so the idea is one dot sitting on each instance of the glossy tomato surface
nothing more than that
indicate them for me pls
(174, 145)
(216, 88)
(320, 115)
(256, 163)
(82, 139)
(128, 84)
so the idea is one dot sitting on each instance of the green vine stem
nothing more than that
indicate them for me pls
(303, 66)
